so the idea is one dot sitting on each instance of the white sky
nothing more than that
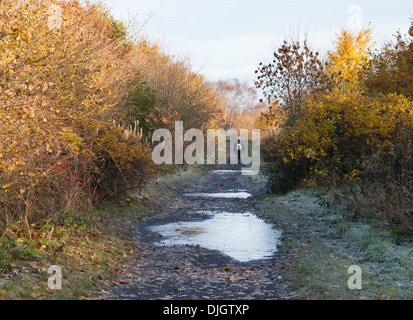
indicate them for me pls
(228, 38)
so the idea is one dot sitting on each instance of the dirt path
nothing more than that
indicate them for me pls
(193, 272)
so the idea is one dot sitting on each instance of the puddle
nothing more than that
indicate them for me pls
(225, 171)
(242, 236)
(233, 171)
(237, 195)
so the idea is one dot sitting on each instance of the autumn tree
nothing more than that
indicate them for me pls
(391, 68)
(347, 61)
(241, 99)
(180, 93)
(358, 132)
(295, 72)
(63, 77)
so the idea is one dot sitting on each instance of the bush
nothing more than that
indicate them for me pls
(350, 136)
(65, 86)
(60, 88)
(283, 175)
(117, 162)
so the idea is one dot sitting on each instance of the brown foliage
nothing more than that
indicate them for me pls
(295, 72)
(391, 69)
(66, 82)
(60, 89)
(358, 132)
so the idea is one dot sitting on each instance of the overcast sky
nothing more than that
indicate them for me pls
(228, 38)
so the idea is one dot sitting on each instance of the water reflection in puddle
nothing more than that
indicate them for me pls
(242, 236)
(226, 171)
(237, 195)
(232, 171)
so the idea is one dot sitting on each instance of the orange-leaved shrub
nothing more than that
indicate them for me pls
(64, 76)
(352, 136)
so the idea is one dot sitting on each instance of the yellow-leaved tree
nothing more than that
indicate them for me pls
(349, 135)
(350, 55)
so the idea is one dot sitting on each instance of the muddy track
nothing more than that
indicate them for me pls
(193, 272)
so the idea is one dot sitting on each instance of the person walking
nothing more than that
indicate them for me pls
(239, 149)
